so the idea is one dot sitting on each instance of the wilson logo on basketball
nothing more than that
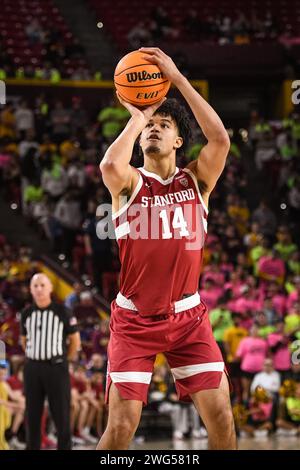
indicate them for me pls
(142, 76)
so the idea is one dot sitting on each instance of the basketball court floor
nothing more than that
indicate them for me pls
(261, 443)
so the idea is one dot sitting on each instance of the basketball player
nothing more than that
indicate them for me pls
(158, 308)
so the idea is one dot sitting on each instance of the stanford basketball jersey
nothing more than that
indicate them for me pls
(161, 232)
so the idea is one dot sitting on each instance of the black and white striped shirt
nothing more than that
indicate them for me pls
(46, 331)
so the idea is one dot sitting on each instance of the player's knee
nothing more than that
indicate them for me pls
(122, 430)
(223, 416)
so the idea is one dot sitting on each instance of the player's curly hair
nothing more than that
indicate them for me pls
(172, 107)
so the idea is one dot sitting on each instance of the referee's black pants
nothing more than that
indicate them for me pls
(46, 379)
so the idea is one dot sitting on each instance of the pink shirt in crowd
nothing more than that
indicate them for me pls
(234, 287)
(271, 266)
(292, 298)
(279, 304)
(218, 277)
(211, 297)
(281, 357)
(242, 305)
(264, 413)
(252, 352)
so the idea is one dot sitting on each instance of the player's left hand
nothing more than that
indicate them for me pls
(164, 62)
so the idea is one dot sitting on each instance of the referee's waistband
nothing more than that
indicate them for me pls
(179, 306)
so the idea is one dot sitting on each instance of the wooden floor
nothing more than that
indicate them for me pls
(265, 443)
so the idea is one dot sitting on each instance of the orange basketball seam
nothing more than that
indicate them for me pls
(141, 86)
(132, 67)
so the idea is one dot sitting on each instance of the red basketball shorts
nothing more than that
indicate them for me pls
(186, 340)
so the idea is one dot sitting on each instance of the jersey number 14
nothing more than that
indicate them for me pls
(178, 222)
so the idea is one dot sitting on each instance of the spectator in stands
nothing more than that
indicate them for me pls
(78, 115)
(54, 179)
(68, 215)
(12, 407)
(252, 351)
(284, 246)
(97, 250)
(293, 263)
(265, 218)
(74, 298)
(60, 119)
(221, 320)
(261, 249)
(163, 24)
(290, 420)
(86, 402)
(86, 308)
(278, 343)
(292, 321)
(268, 378)
(294, 295)
(259, 422)
(139, 36)
(100, 338)
(210, 293)
(34, 31)
(276, 294)
(271, 267)
(192, 24)
(264, 329)
(24, 118)
(231, 340)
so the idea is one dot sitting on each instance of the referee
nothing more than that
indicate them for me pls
(50, 337)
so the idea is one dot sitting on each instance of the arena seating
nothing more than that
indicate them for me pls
(15, 15)
(120, 19)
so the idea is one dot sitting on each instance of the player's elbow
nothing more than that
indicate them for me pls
(223, 140)
(107, 165)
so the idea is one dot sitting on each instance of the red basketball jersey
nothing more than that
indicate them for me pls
(161, 232)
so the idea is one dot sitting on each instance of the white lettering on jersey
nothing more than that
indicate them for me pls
(167, 199)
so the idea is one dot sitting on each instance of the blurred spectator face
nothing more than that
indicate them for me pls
(268, 366)
(283, 235)
(241, 259)
(97, 361)
(280, 327)
(86, 299)
(297, 392)
(272, 289)
(251, 281)
(41, 288)
(255, 227)
(236, 320)
(77, 288)
(261, 319)
(296, 281)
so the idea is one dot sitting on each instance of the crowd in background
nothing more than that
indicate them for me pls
(197, 27)
(49, 157)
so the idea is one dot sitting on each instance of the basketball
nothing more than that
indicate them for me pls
(138, 81)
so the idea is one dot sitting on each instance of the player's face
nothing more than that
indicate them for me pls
(160, 136)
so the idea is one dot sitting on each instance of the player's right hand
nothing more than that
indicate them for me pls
(143, 114)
